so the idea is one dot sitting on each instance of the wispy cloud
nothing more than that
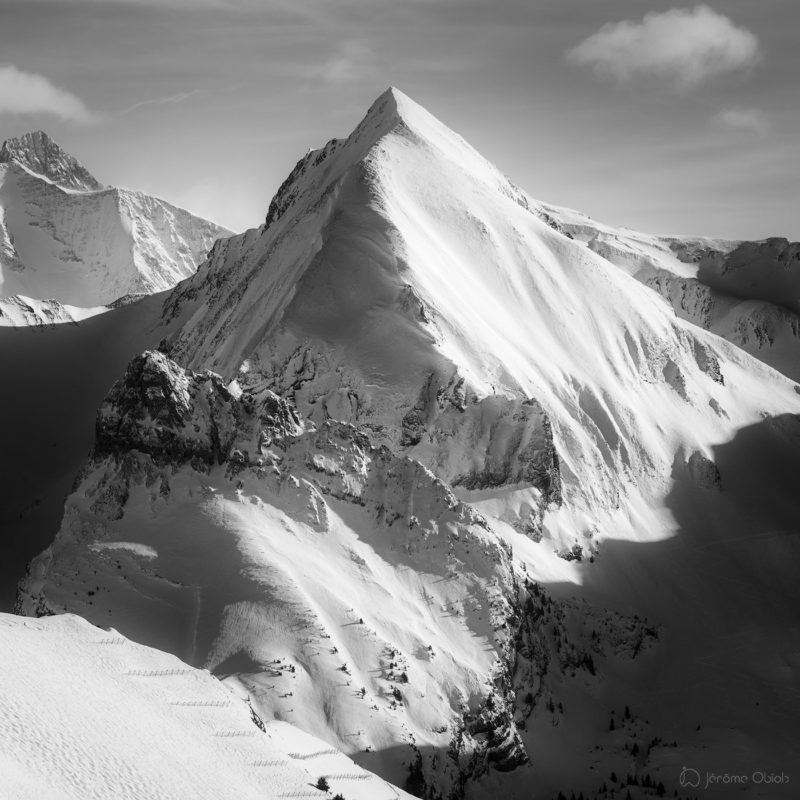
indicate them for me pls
(26, 93)
(749, 120)
(349, 63)
(171, 99)
(683, 46)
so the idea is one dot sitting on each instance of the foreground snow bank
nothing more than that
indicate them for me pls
(86, 713)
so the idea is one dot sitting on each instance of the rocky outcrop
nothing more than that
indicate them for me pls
(704, 472)
(691, 299)
(482, 443)
(766, 270)
(171, 415)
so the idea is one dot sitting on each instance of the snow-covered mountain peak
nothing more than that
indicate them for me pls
(64, 237)
(393, 124)
(39, 154)
(403, 283)
(394, 108)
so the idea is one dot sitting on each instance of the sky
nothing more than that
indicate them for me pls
(668, 118)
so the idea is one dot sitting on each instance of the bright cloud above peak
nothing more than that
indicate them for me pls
(683, 46)
(29, 93)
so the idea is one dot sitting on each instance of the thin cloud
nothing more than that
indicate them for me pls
(683, 46)
(161, 101)
(26, 93)
(749, 120)
(350, 63)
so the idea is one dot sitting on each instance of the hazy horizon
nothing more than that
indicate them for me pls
(675, 120)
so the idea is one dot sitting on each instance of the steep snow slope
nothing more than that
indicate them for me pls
(85, 712)
(64, 237)
(746, 292)
(478, 394)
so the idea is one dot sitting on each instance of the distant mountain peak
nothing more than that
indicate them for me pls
(37, 152)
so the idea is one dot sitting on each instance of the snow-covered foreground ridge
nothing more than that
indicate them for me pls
(427, 402)
(84, 712)
(65, 237)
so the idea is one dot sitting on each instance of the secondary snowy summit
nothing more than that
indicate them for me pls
(38, 153)
(66, 238)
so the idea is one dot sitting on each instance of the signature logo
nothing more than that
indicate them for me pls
(689, 777)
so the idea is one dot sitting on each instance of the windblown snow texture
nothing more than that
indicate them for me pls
(84, 712)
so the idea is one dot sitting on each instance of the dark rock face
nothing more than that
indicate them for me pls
(708, 362)
(704, 472)
(767, 270)
(175, 415)
(487, 443)
(414, 424)
(161, 410)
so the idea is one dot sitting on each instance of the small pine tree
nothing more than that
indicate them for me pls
(322, 784)
(415, 782)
